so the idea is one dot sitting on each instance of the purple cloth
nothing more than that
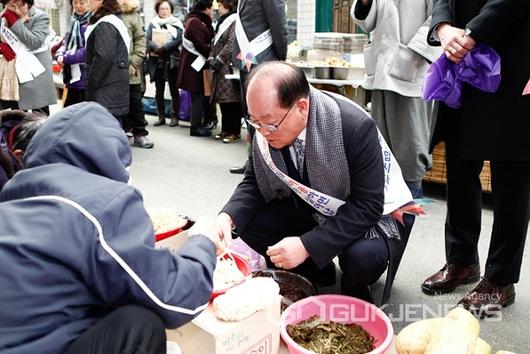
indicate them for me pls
(481, 68)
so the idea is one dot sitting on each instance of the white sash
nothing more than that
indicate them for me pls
(397, 193)
(250, 50)
(198, 63)
(224, 26)
(27, 66)
(117, 23)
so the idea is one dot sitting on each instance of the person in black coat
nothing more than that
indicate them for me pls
(325, 143)
(488, 126)
(164, 60)
(107, 58)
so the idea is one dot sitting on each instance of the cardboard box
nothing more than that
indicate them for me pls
(257, 334)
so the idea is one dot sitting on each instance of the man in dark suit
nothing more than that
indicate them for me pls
(328, 148)
(258, 18)
(488, 126)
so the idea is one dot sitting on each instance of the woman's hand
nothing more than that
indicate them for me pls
(455, 43)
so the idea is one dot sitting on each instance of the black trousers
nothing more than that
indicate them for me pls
(362, 263)
(202, 111)
(74, 96)
(510, 185)
(128, 329)
(134, 121)
(163, 75)
(231, 117)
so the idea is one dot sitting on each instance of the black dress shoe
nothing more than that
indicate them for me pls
(450, 277)
(237, 170)
(200, 132)
(488, 298)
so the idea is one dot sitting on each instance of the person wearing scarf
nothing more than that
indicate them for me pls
(164, 60)
(71, 55)
(31, 27)
(226, 92)
(8, 77)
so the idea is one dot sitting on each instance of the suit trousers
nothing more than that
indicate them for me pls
(510, 184)
(128, 329)
(362, 263)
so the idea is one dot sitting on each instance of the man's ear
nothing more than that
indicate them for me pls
(303, 106)
(18, 154)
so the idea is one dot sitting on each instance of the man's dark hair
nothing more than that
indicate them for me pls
(108, 7)
(26, 129)
(291, 84)
(160, 2)
(201, 5)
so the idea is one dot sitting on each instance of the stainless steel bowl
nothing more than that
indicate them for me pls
(323, 72)
(309, 71)
(340, 73)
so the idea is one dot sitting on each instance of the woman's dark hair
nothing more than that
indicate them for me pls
(201, 5)
(108, 7)
(229, 4)
(291, 84)
(160, 2)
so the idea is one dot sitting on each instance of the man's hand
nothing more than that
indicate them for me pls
(206, 227)
(288, 253)
(224, 225)
(60, 61)
(455, 43)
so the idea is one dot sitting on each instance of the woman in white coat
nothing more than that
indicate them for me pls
(396, 60)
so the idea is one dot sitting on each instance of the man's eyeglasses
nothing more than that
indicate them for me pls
(272, 128)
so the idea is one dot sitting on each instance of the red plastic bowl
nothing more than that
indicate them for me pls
(163, 235)
(242, 265)
(343, 309)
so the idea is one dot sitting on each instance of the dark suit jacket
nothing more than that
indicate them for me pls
(364, 205)
(256, 17)
(491, 126)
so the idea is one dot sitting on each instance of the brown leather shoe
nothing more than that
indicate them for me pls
(488, 298)
(449, 277)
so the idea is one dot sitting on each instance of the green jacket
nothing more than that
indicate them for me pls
(133, 21)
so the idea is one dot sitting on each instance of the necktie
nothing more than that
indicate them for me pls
(298, 146)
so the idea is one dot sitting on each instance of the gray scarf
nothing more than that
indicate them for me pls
(325, 160)
(327, 167)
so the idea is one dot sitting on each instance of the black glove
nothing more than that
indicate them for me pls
(159, 51)
(216, 63)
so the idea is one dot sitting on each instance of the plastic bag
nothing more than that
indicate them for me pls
(185, 105)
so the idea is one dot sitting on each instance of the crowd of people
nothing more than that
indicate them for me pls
(316, 185)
